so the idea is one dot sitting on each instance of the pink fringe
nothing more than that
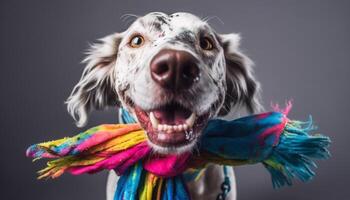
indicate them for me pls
(276, 107)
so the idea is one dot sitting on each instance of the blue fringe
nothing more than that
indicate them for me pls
(125, 117)
(293, 156)
(175, 189)
(128, 183)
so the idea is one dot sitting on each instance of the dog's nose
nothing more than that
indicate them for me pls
(174, 69)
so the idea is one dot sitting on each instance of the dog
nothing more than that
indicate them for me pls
(172, 73)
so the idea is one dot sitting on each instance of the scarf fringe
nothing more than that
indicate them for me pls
(294, 154)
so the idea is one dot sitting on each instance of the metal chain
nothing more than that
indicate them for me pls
(225, 186)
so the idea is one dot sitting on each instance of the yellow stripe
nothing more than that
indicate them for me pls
(150, 183)
(122, 142)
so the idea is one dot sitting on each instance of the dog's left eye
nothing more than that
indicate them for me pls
(136, 41)
(206, 43)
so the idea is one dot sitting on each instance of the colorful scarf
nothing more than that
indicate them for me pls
(283, 146)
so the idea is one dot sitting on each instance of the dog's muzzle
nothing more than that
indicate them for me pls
(172, 124)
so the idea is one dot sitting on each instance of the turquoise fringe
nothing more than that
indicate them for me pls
(293, 156)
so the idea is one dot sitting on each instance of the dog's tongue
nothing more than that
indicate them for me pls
(172, 114)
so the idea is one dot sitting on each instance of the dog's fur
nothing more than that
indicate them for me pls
(117, 75)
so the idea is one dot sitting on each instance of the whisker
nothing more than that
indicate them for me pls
(207, 19)
(129, 18)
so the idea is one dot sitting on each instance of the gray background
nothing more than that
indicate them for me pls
(301, 50)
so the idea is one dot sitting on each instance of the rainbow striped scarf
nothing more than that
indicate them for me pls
(283, 146)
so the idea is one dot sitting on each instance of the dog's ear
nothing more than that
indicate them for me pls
(242, 87)
(95, 89)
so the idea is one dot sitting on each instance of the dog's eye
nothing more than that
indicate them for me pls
(206, 43)
(136, 41)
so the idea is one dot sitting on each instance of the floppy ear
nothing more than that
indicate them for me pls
(95, 89)
(242, 88)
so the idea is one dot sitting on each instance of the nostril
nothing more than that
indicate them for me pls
(161, 69)
(191, 72)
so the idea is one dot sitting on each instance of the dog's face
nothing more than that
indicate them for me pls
(172, 73)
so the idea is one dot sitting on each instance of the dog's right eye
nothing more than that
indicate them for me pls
(136, 41)
(206, 43)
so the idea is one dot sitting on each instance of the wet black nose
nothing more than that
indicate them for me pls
(174, 70)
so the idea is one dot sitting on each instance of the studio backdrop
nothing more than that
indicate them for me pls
(300, 49)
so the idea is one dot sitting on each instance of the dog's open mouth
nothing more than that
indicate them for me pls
(171, 125)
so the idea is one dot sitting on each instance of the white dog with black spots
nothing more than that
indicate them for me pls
(172, 73)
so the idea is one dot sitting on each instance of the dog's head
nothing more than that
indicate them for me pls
(172, 73)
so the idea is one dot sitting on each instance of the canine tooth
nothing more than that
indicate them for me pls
(153, 119)
(160, 127)
(190, 120)
(176, 128)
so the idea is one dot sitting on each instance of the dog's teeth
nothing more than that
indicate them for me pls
(178, 128)
(174, 128)
(153, 120)
(190, 120)
(170, 128)
(181, 128)
(165, 127)
(185, 126)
